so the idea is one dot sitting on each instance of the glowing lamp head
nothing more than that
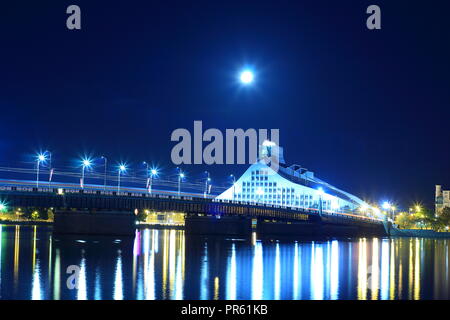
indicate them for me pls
(181, 175)
(41, 157)
(246, 77)
(154, 172)
(2, 207)
(86, 163)
(386, 205)
(122, 168)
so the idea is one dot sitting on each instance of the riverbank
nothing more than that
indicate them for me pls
(419, 233)
(26, 223)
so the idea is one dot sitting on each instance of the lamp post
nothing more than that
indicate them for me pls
(393, 208)
(386, 206)
(122, 168)
(86, 163)
(40, 158)
(104, 175)
(180, 177)
(147, 173)
(153, 173)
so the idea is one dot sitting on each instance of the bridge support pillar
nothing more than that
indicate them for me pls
(115, 223)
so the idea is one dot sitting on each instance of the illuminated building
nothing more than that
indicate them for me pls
(289, 186)
(442, 199)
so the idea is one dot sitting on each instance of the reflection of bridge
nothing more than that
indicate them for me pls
(202, 211)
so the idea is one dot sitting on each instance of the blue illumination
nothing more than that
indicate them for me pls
(86, 163)
(386, 205)
(246, 76)
(41, 157)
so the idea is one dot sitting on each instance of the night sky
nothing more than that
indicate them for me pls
(367, 111)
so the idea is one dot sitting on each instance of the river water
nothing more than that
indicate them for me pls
(167, 264)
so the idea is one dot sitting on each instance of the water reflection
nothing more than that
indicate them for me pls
(166, 264)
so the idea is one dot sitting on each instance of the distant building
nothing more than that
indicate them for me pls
(442, 199)
(290, 186)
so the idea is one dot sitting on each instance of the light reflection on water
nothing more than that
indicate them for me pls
(166, 264)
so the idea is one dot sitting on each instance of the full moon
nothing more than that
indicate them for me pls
(246, 77)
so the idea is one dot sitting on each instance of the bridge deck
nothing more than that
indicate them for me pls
(58, 196)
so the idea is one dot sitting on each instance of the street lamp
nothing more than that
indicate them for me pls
(104, 176)
(122, 168)
(42, 157)
(393, 208)
(147, 172)
(386, 206)
(85, 163)
(180, 178)
(153, 173)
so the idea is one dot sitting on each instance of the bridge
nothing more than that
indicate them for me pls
(202, 214)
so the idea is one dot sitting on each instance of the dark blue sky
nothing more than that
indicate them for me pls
(368, 111)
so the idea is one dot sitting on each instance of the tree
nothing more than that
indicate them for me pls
(444, 217)
(35, 215)
(141, 216)
(405, 220)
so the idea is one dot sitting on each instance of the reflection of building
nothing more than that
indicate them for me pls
(291, 186)
(442, 199)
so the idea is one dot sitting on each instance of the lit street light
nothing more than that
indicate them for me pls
(122, 168)
(393, 208)
(42, 157)
(85, 163)
(153, 174)
(180, 178)
(147, 172)
(386, 205)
